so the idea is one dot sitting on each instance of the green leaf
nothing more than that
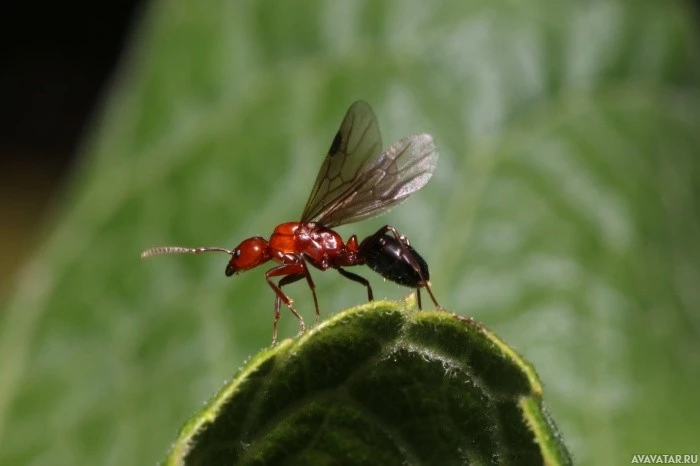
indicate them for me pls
(384, 384)
(563, 214)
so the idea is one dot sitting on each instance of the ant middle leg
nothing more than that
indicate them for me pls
(312, 285)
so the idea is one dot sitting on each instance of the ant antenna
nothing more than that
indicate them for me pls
(180, 250)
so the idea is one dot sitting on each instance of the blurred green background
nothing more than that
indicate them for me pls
(564, 213)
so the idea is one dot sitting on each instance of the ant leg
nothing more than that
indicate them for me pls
(404, 243)
(312, 285)
(361, 280)
(420, 304)
(296, 260)
(275, 320)
(285, 269)
(284, 281)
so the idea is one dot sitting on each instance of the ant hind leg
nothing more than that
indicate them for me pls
(358, 279)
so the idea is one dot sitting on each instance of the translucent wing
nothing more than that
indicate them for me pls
(381, 182)
(358, 141)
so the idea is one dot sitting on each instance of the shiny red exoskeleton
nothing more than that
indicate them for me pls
(356, 181)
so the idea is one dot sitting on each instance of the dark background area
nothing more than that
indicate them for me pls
(57, 60)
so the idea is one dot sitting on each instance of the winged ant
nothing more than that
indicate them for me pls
(357, 180)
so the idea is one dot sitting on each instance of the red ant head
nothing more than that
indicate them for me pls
(247, 255)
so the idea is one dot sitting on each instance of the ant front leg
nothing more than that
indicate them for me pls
(292, 273)
(284, 281)
(411, 260)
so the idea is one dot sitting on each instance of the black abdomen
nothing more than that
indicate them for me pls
(386, 256)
